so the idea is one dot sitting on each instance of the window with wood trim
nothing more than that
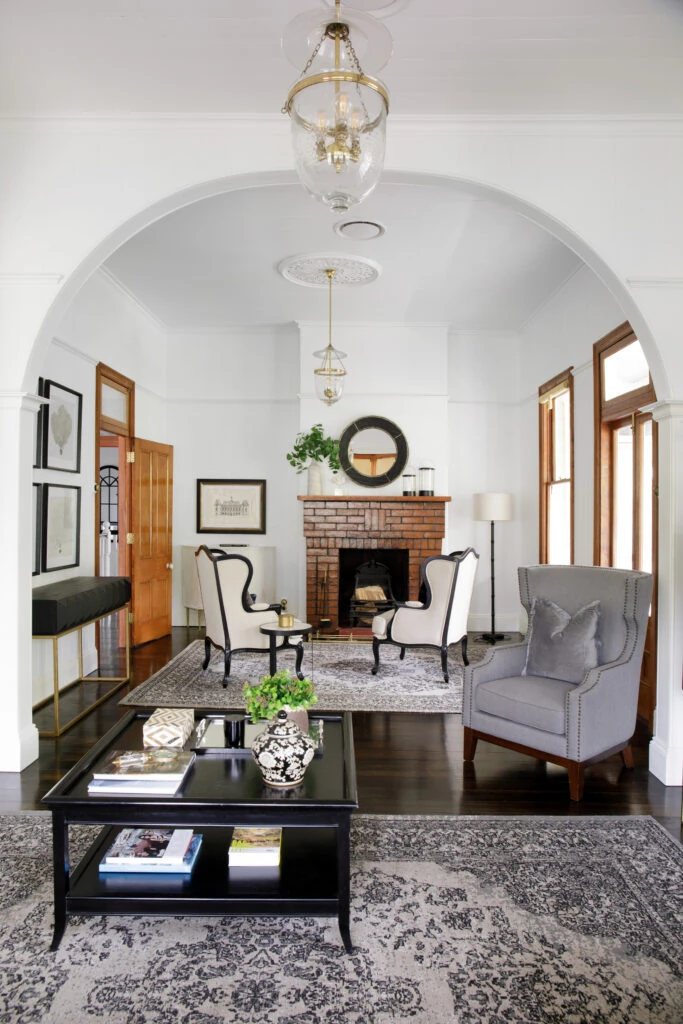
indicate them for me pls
(556, 462)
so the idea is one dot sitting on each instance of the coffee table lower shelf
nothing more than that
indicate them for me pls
(305, 884)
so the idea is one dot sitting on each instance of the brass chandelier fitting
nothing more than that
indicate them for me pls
(338, 115)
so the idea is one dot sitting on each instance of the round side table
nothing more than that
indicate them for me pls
(273, 630)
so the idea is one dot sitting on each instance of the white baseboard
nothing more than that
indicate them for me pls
(666, 763)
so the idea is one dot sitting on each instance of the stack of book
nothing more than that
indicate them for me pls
(154, 850)
(156, 772)
(255, 850)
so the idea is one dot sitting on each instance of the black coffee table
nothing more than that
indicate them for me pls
(220, 791)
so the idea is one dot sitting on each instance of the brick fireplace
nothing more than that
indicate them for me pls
(369, 523)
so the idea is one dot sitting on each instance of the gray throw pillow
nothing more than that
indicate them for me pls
(560, 645)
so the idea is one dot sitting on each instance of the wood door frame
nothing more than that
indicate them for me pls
(606, 416)
(119, 433)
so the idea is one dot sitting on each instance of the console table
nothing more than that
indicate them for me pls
(68, 606)
(220, 792)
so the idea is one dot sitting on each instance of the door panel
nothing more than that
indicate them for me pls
(152, 547)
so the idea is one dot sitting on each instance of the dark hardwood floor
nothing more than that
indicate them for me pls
(406, 764)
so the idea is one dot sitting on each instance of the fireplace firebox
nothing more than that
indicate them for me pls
(368, 586)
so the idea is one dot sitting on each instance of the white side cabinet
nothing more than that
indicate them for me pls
(263, 582)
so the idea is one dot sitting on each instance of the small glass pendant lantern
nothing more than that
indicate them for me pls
(409, 482)
(329, 376)
(427, 481)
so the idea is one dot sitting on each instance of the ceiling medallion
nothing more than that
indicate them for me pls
(311, 270)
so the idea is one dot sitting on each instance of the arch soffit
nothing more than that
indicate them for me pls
(264, 179)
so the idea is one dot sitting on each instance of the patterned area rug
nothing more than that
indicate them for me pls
(340, 672)
(468, 920)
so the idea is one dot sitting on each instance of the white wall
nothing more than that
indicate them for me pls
(103, 324)
(233, 414)
(484, 439)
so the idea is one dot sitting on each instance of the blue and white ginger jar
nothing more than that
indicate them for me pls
(283, 752)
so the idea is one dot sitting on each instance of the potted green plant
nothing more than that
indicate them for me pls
(311, 449)
(280, 691)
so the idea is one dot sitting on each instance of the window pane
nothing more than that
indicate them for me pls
(561, 437)
(646, 484)
(114, 404)
(559, 524)
(625, 371)
(622, 523)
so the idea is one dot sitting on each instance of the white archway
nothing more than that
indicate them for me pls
(203, 190)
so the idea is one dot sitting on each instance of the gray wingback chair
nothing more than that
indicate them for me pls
(439, 620)
(568, 693)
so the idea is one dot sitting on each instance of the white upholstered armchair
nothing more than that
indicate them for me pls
(569, 692)
(439, 620)
(233, 621)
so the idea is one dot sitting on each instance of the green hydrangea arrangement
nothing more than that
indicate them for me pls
(263, 700)
(314, 446)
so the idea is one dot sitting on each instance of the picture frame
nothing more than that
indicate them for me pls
(38, 429)
(61, 527)
(37, 526)
(231, 506)
(61, 427)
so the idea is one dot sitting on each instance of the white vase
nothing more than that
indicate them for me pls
(315, 478)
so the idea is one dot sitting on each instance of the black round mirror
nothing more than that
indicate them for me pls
(373, 451)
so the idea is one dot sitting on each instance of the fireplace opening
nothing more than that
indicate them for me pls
(369, 582)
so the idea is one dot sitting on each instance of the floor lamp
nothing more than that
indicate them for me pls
(489, 508)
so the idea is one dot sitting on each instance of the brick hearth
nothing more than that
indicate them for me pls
(367, 523)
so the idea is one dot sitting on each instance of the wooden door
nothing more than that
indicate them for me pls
(151, 548)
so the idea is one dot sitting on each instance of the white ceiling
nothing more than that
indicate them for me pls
(445, 256)
(603, 57)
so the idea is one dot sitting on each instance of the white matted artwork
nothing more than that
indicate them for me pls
(231, 506)
(62, 428)
(61, 527)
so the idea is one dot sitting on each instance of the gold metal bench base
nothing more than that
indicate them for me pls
(59, 730)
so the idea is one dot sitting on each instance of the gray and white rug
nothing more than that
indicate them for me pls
(467, 920)
(339, 671)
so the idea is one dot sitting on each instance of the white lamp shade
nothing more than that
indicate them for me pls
(493, 505)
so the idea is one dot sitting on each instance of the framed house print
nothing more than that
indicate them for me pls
(62, 428)
(37, 525)
(61, 527)
(231, 506)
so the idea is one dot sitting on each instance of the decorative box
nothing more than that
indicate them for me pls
(168, 727)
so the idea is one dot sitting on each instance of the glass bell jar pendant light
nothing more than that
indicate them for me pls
(338, 112)
(329, 376)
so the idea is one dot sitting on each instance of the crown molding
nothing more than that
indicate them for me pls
(113, 280)
(41, 280)
(654, 282)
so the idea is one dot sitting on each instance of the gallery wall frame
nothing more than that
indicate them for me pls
(61, 527)
(37, 523)
(231, 506)
(61, 428)
(38, 429)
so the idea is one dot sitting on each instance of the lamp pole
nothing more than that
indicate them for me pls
(490, 507)
(493, 637)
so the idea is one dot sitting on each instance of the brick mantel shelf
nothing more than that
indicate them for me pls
(369, 522)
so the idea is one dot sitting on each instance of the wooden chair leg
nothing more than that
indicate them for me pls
(207, 653)
(463, 645)
(469, 745)
(375, 651)
(627, 756)
(444, 663)
(575, 781)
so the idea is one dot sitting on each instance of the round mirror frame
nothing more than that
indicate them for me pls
(376, 423)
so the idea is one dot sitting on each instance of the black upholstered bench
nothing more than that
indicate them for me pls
(62, 608)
